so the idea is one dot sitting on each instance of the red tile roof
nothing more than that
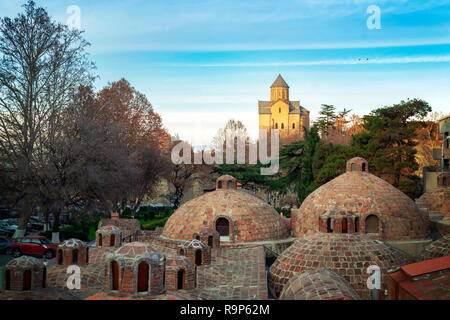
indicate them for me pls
(426, 280)
(427, 266)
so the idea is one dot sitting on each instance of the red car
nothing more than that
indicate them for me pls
(40, 246)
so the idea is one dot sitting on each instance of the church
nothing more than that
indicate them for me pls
(289, 117)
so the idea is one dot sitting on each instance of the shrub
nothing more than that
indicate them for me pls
(154, 224)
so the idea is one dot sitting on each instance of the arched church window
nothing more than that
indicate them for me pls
(293, 126)
(282, 126)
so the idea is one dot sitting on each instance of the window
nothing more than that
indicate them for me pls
(100, 240)
(210, 241)
(180, 279)
(356, 224)
(114, 275)
(276, 125)
(329, 226)
(112, 240)
(27, 280)
(447, 139)
(344, 225)
(371, 224)
(293, 126)
(282, 126)
(279, 110)
(7, 280)
(75, 256)
(60, 256)
(363, 167)
(220, 184)
(198, 257)
(44, 276)
(143, 271)
(353, 167)
(223, 226)
(229, 185)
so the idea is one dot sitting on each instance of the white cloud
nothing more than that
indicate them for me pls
(424, 59)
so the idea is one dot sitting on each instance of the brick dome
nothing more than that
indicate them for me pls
(133, 249)
(380, 208)
(318, 284)
(25, 263)
(436, 201)
(73, 244)
(108, 228)
(349, 255)
(234, 213)
(436, 249)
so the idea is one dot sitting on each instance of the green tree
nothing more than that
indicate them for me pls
(389, 143)
(327, 118)
(296, 164)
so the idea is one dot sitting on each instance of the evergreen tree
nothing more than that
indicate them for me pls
(389, 143)
(296, 164)
(327, 118)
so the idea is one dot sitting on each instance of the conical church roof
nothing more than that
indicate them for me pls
(279, 82)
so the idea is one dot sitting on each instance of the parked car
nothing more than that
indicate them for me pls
(39, 246)
(9, 229)
(5, 246)
(4, 232)
(35, 223)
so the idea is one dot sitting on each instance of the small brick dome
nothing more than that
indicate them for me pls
(237, 215)
(318, 284)
(226, 182)
(25, 263)
(381, 209)
(72, 244)
(436, 249)
(135, 268)
(180, 273)
(24, 274)
(108, 236)
(133, 249)
(437, 201)
(108, 228)
(357, 164)
(349, 255)
(72, 252)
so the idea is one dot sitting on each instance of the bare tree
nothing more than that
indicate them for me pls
(42, 63)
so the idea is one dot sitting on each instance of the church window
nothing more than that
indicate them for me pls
(276, 125)
(293, 126)
(282, 126)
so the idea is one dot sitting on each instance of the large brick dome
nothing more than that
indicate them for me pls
(234, 213)
(380, 209)
(349, 255)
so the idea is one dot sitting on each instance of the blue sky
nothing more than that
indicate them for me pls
(203, 62)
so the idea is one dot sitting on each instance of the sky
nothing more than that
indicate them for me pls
(203, 62)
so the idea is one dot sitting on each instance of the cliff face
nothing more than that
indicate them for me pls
(199, 182)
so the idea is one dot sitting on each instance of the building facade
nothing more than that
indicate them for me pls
(289, 117)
